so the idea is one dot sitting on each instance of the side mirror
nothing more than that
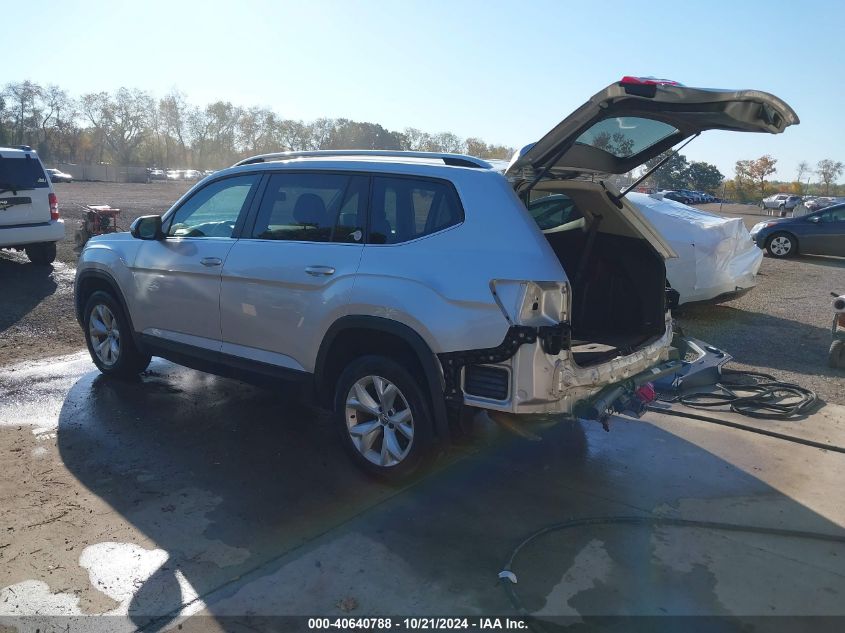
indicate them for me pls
(147, 227)
(815, 219)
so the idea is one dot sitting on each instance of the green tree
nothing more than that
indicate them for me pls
(672, 174)
(703, 176)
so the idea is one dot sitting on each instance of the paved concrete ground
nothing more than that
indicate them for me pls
(183, 494)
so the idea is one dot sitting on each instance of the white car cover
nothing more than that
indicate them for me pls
(716, 255)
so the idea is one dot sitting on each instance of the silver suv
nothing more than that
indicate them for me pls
(404, 288)
(781, 202)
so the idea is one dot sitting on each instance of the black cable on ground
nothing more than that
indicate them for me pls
(508, 579)
(752, 429)
(765, 398)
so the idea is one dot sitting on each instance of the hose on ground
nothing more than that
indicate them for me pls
(754, 395)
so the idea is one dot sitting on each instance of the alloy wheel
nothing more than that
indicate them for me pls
(105, 334)
(781, 245)
(379, 421)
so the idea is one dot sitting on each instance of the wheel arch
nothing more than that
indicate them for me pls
(357, 335)
(90, 281)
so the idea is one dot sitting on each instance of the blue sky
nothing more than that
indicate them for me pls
(504, 71)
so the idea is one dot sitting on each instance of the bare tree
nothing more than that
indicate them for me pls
(320, 133)
(21, 99)
(173, 111)
(129, 127)
(448, 142)
(292, 135)
(415, 140)
(828, 171)
(95, 106)
(802, 170)
(199, 127)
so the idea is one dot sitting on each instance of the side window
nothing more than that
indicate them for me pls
(406, 208)
(312, 207)
(553, 210)
(213, 210)
(837, 215)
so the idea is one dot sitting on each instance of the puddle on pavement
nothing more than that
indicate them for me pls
(33, 392)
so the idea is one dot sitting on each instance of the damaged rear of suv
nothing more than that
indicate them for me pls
(403, 287)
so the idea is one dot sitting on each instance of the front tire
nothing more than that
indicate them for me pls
(42, 254)
(383, 418)
(109, 338)
(781, 245)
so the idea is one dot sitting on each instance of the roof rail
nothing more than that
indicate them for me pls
(455, 160)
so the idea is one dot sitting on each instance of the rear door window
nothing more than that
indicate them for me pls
(21, 174)
(404, 209)
(312, 207)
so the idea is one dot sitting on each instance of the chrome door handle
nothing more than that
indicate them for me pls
(211, 261)
(318, 271)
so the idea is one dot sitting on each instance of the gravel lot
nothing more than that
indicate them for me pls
(781, 327)
(133, 199)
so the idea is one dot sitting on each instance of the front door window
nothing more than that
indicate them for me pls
(213, 210)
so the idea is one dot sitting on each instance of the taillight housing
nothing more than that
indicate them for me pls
(648, 81)
(54, 206)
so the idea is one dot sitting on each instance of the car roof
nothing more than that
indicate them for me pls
(17, 152)
(402, 165)
(446, 158)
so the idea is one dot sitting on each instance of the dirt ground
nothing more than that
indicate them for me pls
(781, 327)
(36, 310)
(133, 200)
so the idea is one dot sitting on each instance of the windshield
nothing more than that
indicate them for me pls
(625, 136)
(21, 173)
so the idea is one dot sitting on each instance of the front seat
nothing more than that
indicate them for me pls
(310, 211)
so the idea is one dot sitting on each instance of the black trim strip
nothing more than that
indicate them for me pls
(220, 364)
(23, 226)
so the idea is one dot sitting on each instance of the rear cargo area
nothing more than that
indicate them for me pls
(618, 282)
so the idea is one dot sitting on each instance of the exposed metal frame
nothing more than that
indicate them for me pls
(455, 160)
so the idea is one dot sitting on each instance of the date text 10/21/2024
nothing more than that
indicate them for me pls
(420, 623)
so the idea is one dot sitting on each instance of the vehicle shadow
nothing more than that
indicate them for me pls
(24, 287)
(227, 478)
(823, 260)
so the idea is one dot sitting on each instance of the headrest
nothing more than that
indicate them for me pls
(310, 209)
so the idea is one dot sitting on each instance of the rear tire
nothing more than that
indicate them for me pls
(109, 337)
(383, 418)
(42, 254)
(782, 245)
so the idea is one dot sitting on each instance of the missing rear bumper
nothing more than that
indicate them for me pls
(553, 340)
